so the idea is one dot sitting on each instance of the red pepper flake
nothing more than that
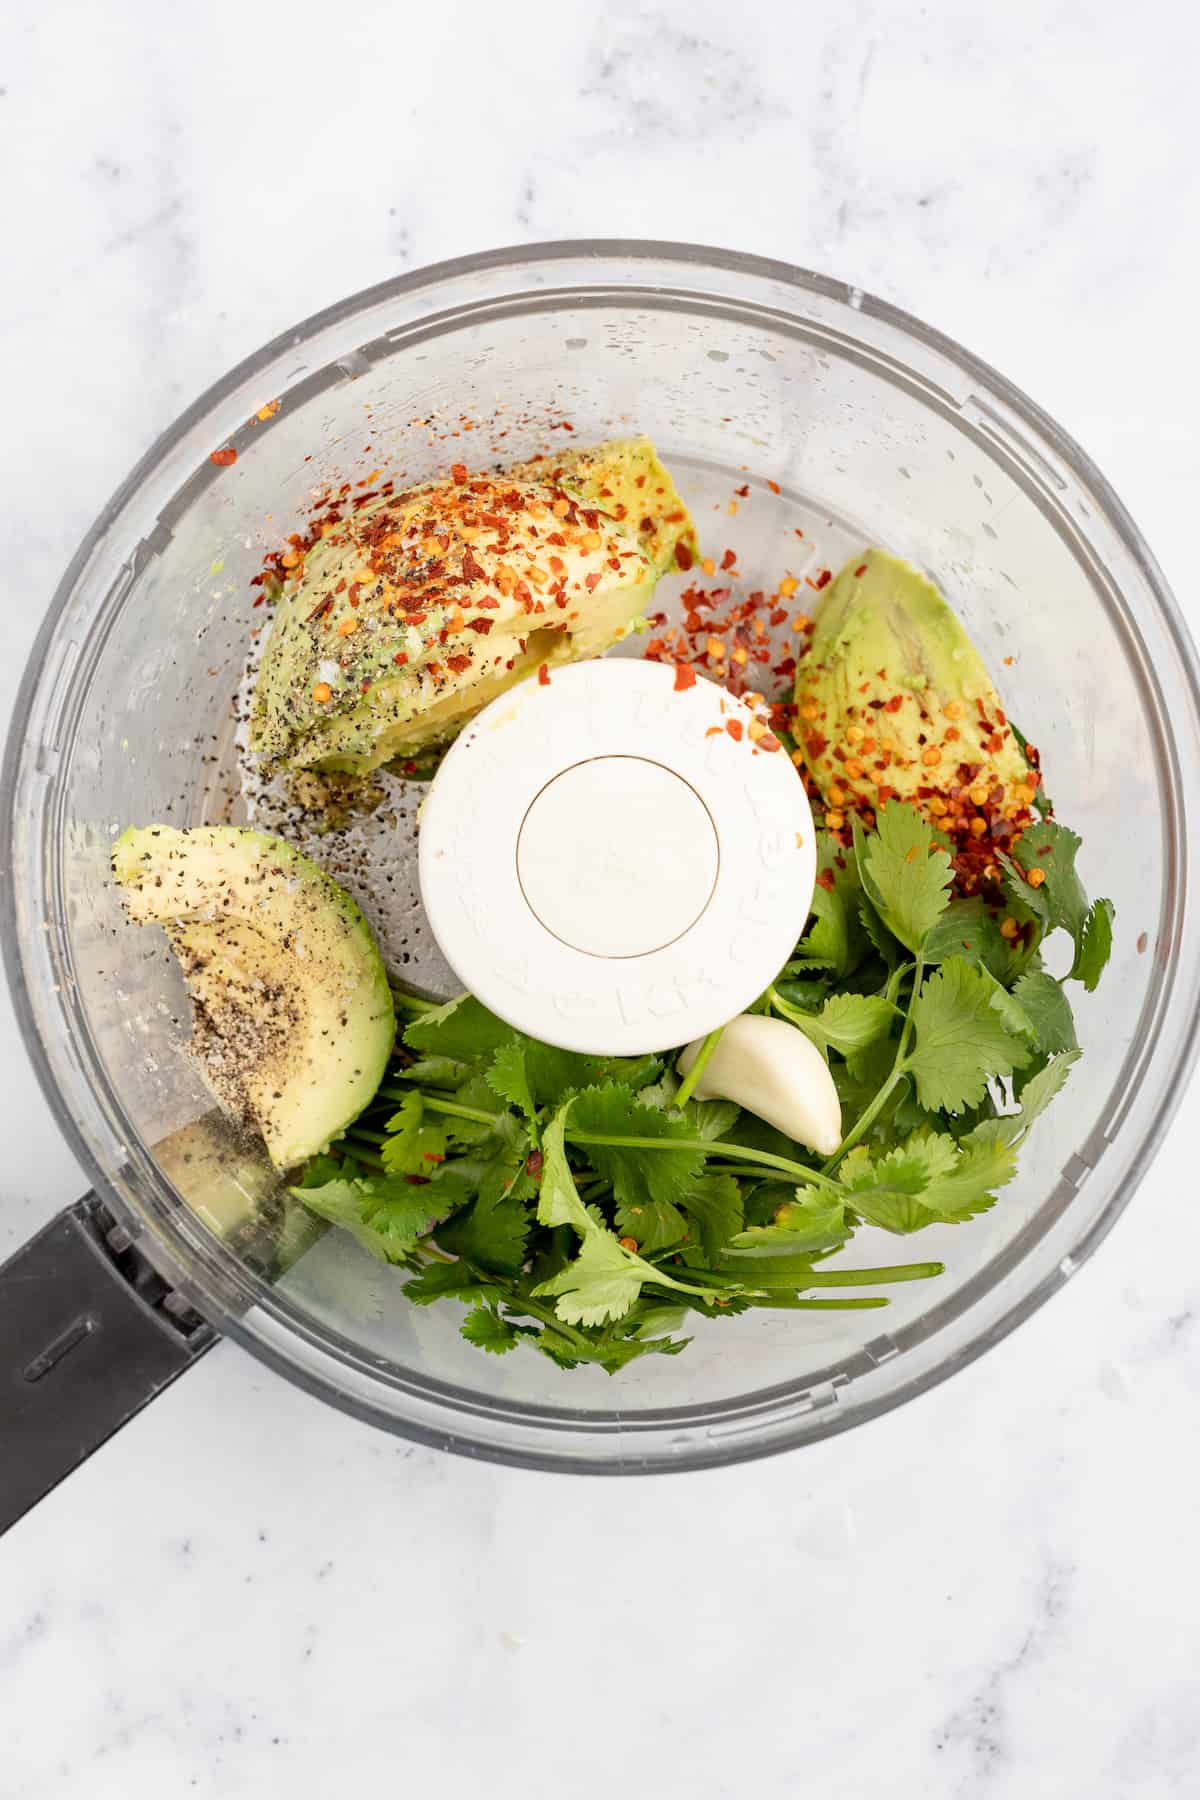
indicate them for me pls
(458, 473)
(894, 704)
(729, 558)
(815, 746)
(535, 1162)
(768, 741)
(774, 486)
(861, 569)
(472, 570)
(400, 658)
(591, 582)
(417, 1180)
(460, 664)
(734, 728)
(742, 491)
(224, 458)
(713, 731)
(544, 675)
(683, 556)
(825, 880)
(685, 677)
(884, 793)
(482, 626)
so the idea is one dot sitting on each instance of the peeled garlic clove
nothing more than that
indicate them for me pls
(771, 1068)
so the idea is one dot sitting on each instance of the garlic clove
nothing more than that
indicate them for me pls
(773, 1070)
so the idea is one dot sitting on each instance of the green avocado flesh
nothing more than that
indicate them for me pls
(293, 1015)
(894, 700)
(414, 610)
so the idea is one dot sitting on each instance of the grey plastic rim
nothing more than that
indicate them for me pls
(279, 1338)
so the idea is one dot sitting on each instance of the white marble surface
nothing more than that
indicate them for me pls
(989, 1594)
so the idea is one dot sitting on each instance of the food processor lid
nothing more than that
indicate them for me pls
(616, 861)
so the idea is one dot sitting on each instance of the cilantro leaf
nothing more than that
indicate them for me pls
(653, 1224)
(601, 1284)
(384, 1213)
(462, 1030)
(847, 1023)
(1016, 1019)
(558, 1197)
(509, 1078)
(414, 1145)
(929, 1179)
(435, 1072)
(1060, 900)
(554, 1073)
(890, 948)
(710, 1120)
(905, 873)
(807, 993)
(492, 1238)
(967, 929)
(317, 1171)
(961, 1040)
(1045, 1005)
(654, 1316)
(707, 1119)
(605, 1279)
(442, 1280)
(813, 1219)
(1051, 847)
(488, 1331)
(635, 1172)
(714, 1205)
(1093, 946)
(1042, 1088)
(985, 1162)
(836, 939)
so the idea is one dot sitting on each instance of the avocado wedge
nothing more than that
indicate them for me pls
(894, 701)
(415, 609)
(293, 1015)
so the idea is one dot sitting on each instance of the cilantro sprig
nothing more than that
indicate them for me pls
(589, 1208)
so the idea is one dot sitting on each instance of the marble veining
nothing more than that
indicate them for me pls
(986, 1596)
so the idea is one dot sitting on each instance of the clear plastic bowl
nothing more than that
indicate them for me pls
(745, 372)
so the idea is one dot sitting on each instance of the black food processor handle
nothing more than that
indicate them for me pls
(89, 1332)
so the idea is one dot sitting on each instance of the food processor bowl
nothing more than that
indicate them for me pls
(803, 420)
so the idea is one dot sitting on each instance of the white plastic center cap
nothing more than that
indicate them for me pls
(618, 856)
(614, 863)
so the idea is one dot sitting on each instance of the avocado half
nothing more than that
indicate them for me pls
(293, 1015)
(414, 610)
(893, 700)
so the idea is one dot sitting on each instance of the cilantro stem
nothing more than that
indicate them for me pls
(521, 1304)
(452, 1107)
(359, 1154)
(688, 1085)
(855, 1303)
(801, 1020)
(709, 1146)
(412, 1003)
(875, 1106)
(895, 982)
(868, 1277)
